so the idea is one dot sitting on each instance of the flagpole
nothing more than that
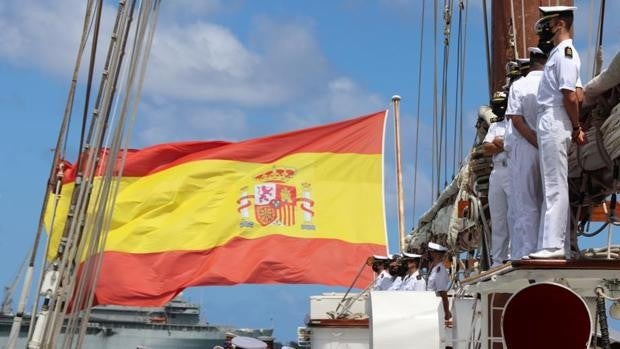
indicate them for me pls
(399, 174)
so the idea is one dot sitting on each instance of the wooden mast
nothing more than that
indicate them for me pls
(508, 44)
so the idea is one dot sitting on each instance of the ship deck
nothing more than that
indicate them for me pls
(582, 275)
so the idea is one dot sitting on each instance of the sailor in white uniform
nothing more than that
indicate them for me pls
(524, 168)
(413, 281)
(395, 269)
(439, 278)
(499, 184)
(558, 124)
(379, 266)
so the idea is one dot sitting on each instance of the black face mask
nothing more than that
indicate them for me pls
(546, 35)
(545, 46)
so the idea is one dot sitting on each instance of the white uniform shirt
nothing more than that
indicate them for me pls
(522, 100)
(439, 279)
(396, 283)
(412, 283)
(383, 281)
(561, 73)
(497, 129)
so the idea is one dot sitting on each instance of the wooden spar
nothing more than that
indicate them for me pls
(526, 14)
(399, 173)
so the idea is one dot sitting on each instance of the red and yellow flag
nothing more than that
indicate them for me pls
(297, 207)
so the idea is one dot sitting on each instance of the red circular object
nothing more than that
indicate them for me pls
(546, 315)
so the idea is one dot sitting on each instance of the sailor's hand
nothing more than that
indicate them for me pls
(579, 137)
(448, 320)
(499, 142)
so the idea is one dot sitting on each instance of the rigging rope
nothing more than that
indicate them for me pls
(59, 152)
(486, 44)
(590, 68)
(435, 130)
(524, 37)
(417, 128)
(598, 56)
(463, 56)
(457, 86)
(443, 128)
(512, 32)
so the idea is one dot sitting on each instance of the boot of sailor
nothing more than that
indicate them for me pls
(548, 253)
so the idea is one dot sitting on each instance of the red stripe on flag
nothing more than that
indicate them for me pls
(155, 278)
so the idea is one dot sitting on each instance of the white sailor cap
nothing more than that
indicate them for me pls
(287, 347)
(547, 10)
(248, 343)
(523, 63)
(535, 51)
(380, 258)
(412, 255)
(436, 247)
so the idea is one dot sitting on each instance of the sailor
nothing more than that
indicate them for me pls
(397, 271)
(241, 342)
(499, 182)
(379, 266)
(413, 280)
(558, 124)
(524, 168)
(439, 279)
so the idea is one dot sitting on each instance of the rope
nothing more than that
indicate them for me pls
(523, 28)
(598, 59)
(511, 34)
(435, 130)
(590, 71)
(417, 126)
(443, 127)
(602, 318)
(463, 56)
(486, 46)
(72, 246)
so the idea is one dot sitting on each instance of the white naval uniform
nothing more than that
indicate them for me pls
(554, 138)
(499, 194)
(396, 282)
(383, 281)
(439, 279)
(412, 283)
(524, 168)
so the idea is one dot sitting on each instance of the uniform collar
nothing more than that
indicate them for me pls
(563, 43)
(535, 72)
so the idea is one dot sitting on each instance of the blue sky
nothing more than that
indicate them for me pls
(233, 70)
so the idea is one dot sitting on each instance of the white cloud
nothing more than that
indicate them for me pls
(161, 121)
(44, 34)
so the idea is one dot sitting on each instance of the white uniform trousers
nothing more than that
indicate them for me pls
(554, 137)
(526, 198)
(499, 194)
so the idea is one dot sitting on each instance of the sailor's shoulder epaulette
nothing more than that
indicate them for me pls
(568, 52)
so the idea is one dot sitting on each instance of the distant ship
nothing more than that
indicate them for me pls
(175, 325)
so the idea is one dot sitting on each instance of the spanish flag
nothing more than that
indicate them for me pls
(304, 207)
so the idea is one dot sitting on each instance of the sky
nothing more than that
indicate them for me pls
(233, 70)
